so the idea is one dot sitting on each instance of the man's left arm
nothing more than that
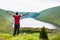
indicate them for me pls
(25, 14)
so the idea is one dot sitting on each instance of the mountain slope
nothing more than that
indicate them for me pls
(5, 21)
(51, 15)
(4, 14)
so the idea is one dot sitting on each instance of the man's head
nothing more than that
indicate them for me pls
(16, 13)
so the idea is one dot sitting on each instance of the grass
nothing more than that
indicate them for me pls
(19, 37)
(34, 36)
(4, 36)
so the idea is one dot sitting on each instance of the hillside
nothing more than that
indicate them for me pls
(51, 15)
(4, 14)
(5, 21)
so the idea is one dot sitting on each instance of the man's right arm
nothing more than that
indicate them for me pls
(9, 13)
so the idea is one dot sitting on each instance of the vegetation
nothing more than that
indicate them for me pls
(43, 34)
(24, 36)
(51, 15)
(5, 21)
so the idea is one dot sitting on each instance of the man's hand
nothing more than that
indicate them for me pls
(25, 14)
(9, 13)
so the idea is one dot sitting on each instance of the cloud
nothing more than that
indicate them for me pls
(56, 1)
(27, 5)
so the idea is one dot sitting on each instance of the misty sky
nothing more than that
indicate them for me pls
(28, 5)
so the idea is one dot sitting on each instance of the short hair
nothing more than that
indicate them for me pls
(16, 13)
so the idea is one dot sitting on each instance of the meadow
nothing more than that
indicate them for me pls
(28, 36)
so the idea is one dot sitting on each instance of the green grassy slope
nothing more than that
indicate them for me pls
(34, 36)
(51, 15)
(5, 20)
(4, 14)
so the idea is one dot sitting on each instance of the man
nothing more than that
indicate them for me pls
(16, 22)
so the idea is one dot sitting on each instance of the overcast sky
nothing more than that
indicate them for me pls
(28, 5)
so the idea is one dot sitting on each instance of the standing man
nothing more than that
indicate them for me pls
(16, 22)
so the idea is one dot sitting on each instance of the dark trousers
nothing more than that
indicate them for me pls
(16, 29)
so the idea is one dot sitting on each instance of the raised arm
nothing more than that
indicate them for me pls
(25, 14)
(9, 13)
